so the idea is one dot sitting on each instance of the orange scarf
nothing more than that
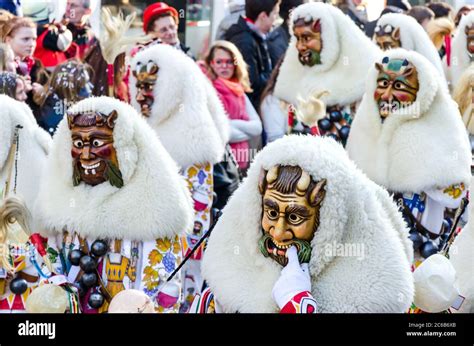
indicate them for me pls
(233, 85)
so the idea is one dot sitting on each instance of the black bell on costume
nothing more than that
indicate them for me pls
(325, 124)
(96, 300)
(428, 249)
(99, 248)
(89, 279)
(18, 286)
(75, 256)
(88, 264)
(344, 132)
(335, 116)
(416, 238)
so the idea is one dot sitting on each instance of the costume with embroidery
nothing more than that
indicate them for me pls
(193, 127)
(408, 137)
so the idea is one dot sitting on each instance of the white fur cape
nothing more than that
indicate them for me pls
(354, 212)
(418, 148)
(346, 56)
(34, 145)
(460, 60)
(413, 37)
(153, 203)
(462, 259)
(187, 114)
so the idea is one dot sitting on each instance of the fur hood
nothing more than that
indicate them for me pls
(346, 56)
(413, 37)
(354, 212)
(34, 145)
(187, 114)
(420, 147)
(460, 60)
(153, 203)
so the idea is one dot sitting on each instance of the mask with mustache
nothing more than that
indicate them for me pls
(146, 76)
(397, 85)
(291, 204)
(309, 43)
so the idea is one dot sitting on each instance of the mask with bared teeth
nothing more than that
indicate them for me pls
(146, 75)
(94, 156)
(291, 202)
(309, 42)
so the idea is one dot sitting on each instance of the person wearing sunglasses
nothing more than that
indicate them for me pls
(228, 72)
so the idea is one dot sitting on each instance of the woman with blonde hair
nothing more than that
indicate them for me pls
(228, 72)
(7, 58)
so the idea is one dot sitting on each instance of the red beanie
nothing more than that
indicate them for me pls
(155, 10)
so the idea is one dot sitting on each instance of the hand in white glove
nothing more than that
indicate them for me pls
(294, 279)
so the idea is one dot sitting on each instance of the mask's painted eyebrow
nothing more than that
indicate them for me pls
(271, 204)
(298, 209)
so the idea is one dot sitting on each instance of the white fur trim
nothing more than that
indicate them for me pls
(187, 114)
(153, 203)
(354, 211)
(413, 37)
(422, 147)
(462, 259)
(34, 145)
(346, 56)
(460, 60)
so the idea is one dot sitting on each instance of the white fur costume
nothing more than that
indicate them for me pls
(153, 203)
(462, 259)
(346, 56)
(191, 122)
(186, 114)
(413, 37)
(460, 60)
(418, 148)
(354, 211)
(34, 144)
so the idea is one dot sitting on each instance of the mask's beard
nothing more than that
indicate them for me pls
(111, 173)
(267, 247)
(310, 58)
(386, 108)
(145, 106)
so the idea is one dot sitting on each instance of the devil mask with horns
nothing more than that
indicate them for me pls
(291, 203)
(387, 37)
(397, 85)
(309, 43)
(94, 155)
